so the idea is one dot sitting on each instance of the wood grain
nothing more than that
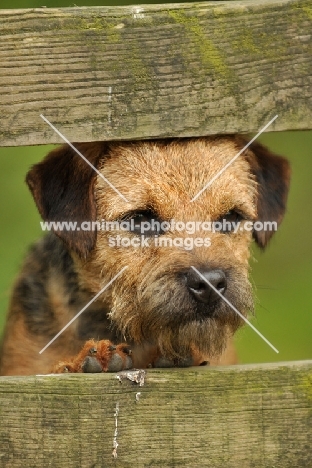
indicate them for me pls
(190, 69)
(241, 416)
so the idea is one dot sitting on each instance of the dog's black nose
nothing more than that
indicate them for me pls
(201, 289)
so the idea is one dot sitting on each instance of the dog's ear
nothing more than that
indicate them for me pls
(272, 173)
(62, 186)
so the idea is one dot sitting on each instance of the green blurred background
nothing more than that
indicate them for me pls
(282, 275)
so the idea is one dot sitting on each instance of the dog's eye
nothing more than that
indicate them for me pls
(233, 216)
(230, 220)
(144, 222)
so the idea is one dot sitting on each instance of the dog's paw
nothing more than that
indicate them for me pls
(195, 358)
(97, 356)
(183, 362)
(162, 361)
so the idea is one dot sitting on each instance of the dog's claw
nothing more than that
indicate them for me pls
(96, 357)
(126, 350)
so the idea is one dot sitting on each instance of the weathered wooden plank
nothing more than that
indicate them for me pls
(241, 416)
(155, 70)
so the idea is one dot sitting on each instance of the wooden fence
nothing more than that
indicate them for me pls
(140, 72)
(155, 71)
(240, 416)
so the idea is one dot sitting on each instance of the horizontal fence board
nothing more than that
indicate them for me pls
(103, 73)
(240, 416)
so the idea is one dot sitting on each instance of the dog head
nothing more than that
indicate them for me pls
(168, 203)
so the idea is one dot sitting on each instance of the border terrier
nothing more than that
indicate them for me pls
(161, 305)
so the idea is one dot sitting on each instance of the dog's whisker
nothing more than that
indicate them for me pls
(269, 288)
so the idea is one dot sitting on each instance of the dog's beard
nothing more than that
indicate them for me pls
(166, 314)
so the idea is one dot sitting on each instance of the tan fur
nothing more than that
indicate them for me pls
(148, 305)
(175, 182)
